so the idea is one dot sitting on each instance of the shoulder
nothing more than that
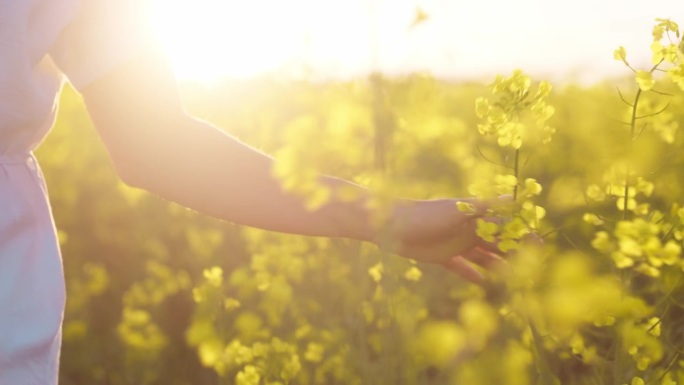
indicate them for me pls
(101, 35)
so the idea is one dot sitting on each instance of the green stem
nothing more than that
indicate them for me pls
(625, 205)
(632, 129)
(618, 356)
(516, 172)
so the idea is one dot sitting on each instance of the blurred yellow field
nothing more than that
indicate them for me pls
(161, 295)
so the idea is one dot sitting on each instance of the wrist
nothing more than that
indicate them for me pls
(346, 214)
(383, 218)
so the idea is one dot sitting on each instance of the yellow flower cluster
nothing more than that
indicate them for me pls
(665, 48)
(613, 187)
(516, 116)
(637, 244)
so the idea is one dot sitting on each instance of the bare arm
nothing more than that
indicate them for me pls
(156, 146)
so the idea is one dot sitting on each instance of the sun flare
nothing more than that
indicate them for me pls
(208, 39)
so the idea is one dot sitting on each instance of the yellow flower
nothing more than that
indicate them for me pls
(466, 207)
(621, 261)
(532, 213)
(544, 89)
(645, 80)
(314, 352)
(375, 271)
(413, 274)
(438, 342)
(532, 187)
(486, 230)
(248, 376)
(596, 193)
(592, 219)
(620, 54)
(214, 276)
(505, 183)
(602, 242)
(481, 107)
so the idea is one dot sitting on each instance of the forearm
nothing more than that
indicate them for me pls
(201, 167)
(155, 145)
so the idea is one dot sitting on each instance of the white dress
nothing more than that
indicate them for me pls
(42, 43)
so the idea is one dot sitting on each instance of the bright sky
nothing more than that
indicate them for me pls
(460, 39)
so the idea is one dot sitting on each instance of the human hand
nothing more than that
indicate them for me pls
(436, 231)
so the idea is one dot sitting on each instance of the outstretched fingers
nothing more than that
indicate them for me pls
(490, 247)
(484, 258)
(463, 264)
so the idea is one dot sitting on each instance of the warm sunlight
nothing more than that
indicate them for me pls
(211, 38)
(208, 39)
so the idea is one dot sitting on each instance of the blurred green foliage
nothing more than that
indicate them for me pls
(158, 294)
